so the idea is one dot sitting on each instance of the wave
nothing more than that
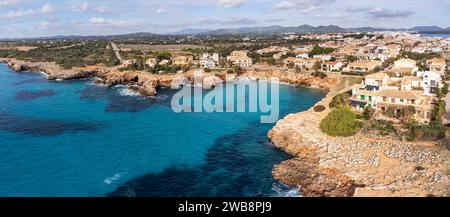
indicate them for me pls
(159, 97)
(45, 75)
(128, 92)
(112, 179)
(282, 190)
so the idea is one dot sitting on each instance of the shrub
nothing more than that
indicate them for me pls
(407, 114)
(424, 132)
(382, 126)
(445, 89)
(319, 74)
(368, 113)
(317, 50)
(319, 108)
(340, 100)
(340, 122)
(390, 112)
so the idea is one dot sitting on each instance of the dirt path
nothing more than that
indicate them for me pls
(446, 119)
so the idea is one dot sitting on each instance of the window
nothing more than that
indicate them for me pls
(402, 100)
(370, 98)
(393, 100)
(384, 99)
(363, 97)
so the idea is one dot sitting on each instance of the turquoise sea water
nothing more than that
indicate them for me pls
(72, 138)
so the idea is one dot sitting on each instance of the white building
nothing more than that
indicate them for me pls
(302, 56)
(431, 81)
(209, 60)
(405, 63)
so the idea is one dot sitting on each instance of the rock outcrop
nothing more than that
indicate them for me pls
(358, 165)
(52, 70)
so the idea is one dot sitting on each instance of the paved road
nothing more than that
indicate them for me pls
(116, 51)
(446, 119)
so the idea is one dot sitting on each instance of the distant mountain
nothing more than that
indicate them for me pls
(372, 29)
(275, 29)
(190, 31)
(426, 29)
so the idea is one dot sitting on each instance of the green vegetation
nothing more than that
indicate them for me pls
(359, 36)
(237, 70)
(445, 89)
(340, 122)
(368, 113)
(435, 130)
(351, 58)
(382, 127)
(420, 56)
(317, 50)
(319, 108)
(77, 54)
(407, 114)
(340, 100)
(319, 74)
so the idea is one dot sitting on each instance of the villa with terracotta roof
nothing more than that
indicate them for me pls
(240, 58)
(306, 64)
(380, 92)
(363, 66)
(183, 60)
(437, 65)
(331, 66)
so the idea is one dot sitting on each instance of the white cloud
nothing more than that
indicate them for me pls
(231, 3)
(103, 9)
(160, 11)
(284, 5)
(100, 21)
(47, 9)
(233, 21)
(4, 3)
(84, 7)
(386, 13)
(304, 6)
(19, 13)
(81, 7)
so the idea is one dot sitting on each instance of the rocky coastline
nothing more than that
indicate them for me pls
(320, 165)
(359, 165)
(147, 84)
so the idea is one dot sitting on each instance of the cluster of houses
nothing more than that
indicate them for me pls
(206, 60)
(390, 90)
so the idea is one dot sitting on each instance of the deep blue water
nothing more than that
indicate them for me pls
(72, 138)
(436, 35)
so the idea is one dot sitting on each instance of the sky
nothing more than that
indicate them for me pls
(35, 18)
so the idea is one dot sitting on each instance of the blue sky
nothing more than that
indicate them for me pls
(32, 18)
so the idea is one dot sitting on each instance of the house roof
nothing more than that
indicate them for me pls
(357, 86)
(406, 60)
(412, 94)
(411, 78)
(329, 63)
(365, 63)
(402, 70)
(436, 61)
(378, 75)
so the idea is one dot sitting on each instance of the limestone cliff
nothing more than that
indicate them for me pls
(358, 165)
